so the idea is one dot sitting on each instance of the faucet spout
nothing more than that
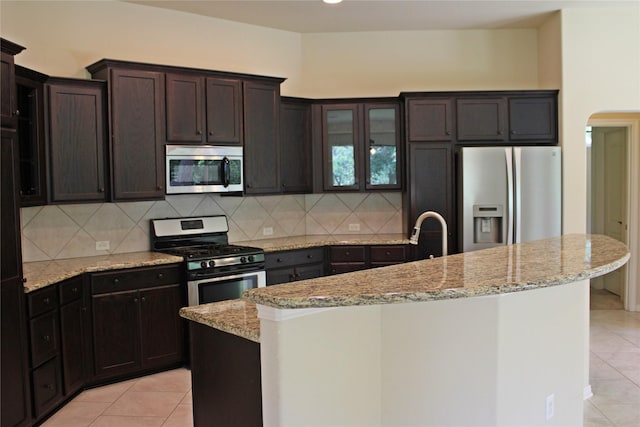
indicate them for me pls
(416, 229)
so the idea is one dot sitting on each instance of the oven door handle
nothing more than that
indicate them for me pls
(226, 172)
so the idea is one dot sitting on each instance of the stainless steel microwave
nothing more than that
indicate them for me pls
(203, 169)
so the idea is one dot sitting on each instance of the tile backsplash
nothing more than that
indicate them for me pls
(71, 231)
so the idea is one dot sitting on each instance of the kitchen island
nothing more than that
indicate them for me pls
(492, 337)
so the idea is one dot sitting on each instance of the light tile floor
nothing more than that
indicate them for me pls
(164, 399)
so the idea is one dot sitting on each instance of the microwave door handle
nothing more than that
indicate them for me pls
(226, 172)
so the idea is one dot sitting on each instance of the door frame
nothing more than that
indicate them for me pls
(632, 124)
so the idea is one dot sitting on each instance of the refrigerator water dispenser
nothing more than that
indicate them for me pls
(487, 223)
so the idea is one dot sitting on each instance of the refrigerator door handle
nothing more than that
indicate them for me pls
(510, 196)
(517, 214)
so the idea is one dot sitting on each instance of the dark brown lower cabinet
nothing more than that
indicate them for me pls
(292, 265)
(347, 258)
(225, 379)
(136, 325)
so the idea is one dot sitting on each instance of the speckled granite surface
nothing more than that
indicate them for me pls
(498, 270)
(44, 273)
(238, 317)
(301, 242)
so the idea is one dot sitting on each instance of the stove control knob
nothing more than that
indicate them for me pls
(251, 258)
(203, 264)
(212, 263)
(243, 259)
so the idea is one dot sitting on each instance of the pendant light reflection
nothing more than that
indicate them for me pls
(332, 1)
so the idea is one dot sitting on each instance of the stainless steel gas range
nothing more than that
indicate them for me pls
(216, 270)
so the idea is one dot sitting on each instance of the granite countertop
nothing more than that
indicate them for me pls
(503, 269)
(238, 317)
(310, 241)
(39, 274)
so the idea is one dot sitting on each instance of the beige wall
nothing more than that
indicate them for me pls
(386, 63)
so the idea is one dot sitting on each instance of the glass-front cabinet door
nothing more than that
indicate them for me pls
(381, 150)
(341, 147)
(360, 146)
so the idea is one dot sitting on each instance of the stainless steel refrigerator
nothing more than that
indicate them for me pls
(509, 195)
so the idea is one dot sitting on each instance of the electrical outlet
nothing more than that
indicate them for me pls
(102, 245)
(550, 406)
(267, 231)
(354, 227)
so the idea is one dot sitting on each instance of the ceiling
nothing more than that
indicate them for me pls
(313, 16)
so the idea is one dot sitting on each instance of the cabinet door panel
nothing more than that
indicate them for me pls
(341, 147)
(483, 119)
(261, 124)
(47, 387)
(276, 276)
(431, 189)
(137, 111)
(429, 120)
(346, 267)
(116, 334)
(224, 111)
(76, 137)
(44, 337)
(295, 148)
(184, 108)
(310, 271)
(10, 242)
(8, 91)
(72, 338)
(533, 119)
(382, 154)
(161, 327)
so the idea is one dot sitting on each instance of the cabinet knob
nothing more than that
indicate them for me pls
(24, 280)
(159, 188)
(347, 253)
(100, 190)
(84, 309)
(448, 133)
(135, 300)
(74, 290)
(16, 113)
(48, 386)
(513, 132)
(199, 132)
(116, 281)
(279, 260)
(143, 299)
(46, 300)
(160, 276)
(46, 338)
(309, 256)
(210, 133)
(500, 132)
(387, 253)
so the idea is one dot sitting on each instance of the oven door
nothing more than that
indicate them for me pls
(204, 169)
(215, 289)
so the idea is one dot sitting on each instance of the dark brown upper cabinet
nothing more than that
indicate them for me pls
(261, 136)
(360, 149)
(76, 135)
(295, 146)
(482, 119)
(430, 120)
(8, 106)
(31, 136)
(203, 109)
(136, 129)
(533, 118)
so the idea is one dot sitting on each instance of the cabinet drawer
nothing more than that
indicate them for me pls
(42, 301)
(47, 389)
(137, 278)
(346, 267)
(396, 253)
(293, 257)
(70, 290)
(44, 337)
(347, 253)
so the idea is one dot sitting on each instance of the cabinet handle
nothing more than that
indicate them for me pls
(46, 338)
(46, 300)
(74, 290)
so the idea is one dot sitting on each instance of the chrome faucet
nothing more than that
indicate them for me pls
(416, 229)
